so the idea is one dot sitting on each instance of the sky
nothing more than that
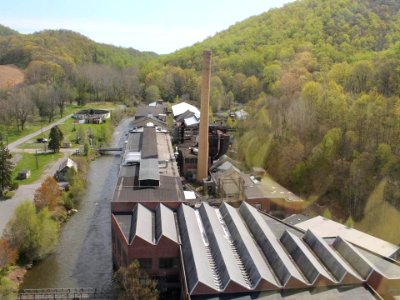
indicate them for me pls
(146, 25)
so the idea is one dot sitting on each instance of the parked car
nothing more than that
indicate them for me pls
(41, 140)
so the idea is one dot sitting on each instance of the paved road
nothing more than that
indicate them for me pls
(27, 192)
(14, 145)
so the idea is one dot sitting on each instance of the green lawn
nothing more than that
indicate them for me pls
(12, 134)
(70, 131)
(28, 161)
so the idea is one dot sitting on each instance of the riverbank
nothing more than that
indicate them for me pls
(32, 188)
(83, 255)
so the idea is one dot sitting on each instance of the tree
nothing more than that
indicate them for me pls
(152, 93)
(56, 136)
(8, 255)
(6, 168)
(48, 194)
(22, 107)
(34, 234)
(327, 214)
(135, 283)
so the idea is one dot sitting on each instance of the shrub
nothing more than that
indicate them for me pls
(34, 234)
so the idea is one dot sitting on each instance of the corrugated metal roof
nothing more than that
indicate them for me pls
(382, 265)
(191, 121)
(358, 261)
(328, 228)
(335, 264)
(134, 142)
(165, 223)
(149, 169)
(143, 121)
(149, 144)
(254, 262)
(145, 110)
(197, 264)
(145, 224)
(306, 261)
(223, 249)
(182, 107)
(282, 265)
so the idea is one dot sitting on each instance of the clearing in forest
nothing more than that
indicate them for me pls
(10, 76)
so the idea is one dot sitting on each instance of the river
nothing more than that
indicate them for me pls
(83, 256)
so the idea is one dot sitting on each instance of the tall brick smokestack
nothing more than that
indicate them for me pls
(202, 161)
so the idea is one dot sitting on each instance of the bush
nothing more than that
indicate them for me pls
(14, 186)
(35, 235)
(68, 201)
(8, 289)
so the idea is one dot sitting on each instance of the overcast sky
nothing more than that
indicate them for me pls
(146, 25)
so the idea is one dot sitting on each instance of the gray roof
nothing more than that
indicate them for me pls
(273, 250)
(148, 225)
(229, 250)
(328, 228)
(336, 293)
(307, 262)
(134, 142)
(143, 121)
(332, 260)
(358, 261)
(223, 248)
(145, 110)
(166, 223)
(382, 265)
(198, 262)
(256, 265)
(143, 224)
(149, 144)
(149, 169)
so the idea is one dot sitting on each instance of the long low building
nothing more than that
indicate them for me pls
(199, 251)
(148, 172)
(224, 252)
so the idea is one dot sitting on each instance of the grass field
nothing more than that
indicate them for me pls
(28, 161)
(12, 134)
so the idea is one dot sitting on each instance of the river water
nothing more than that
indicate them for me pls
(83, 257)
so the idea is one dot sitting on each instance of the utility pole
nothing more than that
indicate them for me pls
(37, 162)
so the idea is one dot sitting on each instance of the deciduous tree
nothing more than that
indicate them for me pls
(34, 234)
(48, 194)
(135, 283)
(8, 255)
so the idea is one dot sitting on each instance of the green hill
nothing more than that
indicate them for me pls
(65, 48)
(342, 30)
(4, 30)
(321, 81)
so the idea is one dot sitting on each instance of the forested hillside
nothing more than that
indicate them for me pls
(63, 66)
(4, 30)
(321, 81)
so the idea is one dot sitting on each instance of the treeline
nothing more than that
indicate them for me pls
(321, 82)
(62, 67)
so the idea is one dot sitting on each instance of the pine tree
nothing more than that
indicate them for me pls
(6, 168)
(56, 136)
